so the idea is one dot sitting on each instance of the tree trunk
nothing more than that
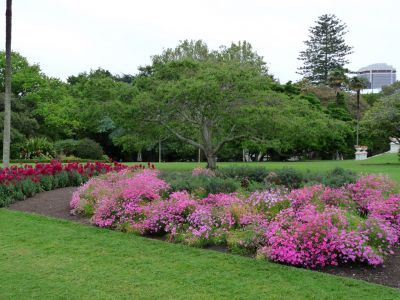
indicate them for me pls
(211, 161)
(159, 151)
(139, 156)
(7, 94)
(260, 156)
(199, 156)
(358, 117)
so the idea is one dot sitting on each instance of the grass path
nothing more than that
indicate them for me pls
(43, 258)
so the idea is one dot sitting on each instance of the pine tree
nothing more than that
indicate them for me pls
(326, 49)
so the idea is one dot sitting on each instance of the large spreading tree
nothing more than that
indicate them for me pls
(198, 95)
(326, 49)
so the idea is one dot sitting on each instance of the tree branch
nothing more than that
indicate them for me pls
(184, 139)
(229, 139)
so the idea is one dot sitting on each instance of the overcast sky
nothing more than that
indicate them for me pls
(70, 36)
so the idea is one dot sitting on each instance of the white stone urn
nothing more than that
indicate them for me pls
(361, 152)
(394, 145)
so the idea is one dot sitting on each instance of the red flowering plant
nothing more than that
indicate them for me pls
(20, 181)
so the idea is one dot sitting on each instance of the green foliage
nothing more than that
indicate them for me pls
(326, 49)
(66, 147)
(338, 111)
(39, 147)
(196, 94)
(201, 185)
(392, 89)
(85, 148)
(257, 174)
(88, 148)
(61, 179)
(381, 122)
(335, 178)
(287, 177)
(243, 241)
(47, 182)
(28, 187)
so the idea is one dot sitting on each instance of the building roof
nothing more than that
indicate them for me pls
(377, 67)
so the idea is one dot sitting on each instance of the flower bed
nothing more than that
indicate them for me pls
(19, 182)
(313, 227)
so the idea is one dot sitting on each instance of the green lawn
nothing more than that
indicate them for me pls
(386, 164)
(45, 258)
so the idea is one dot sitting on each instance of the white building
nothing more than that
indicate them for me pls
(378, 75)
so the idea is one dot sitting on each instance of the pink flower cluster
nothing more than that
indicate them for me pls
(202, 171)
(116, 198)
(326, 226)
(311, 227)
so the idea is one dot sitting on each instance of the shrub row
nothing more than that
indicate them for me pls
(314, 226)
(288, 177)
(228, 180)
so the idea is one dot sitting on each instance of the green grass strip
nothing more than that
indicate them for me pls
(44, 258)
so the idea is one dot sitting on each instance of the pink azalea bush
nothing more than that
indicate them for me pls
(202, 171)
(313, 227)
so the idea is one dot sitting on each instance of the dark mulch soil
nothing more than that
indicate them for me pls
(56, 204)
(52, 203)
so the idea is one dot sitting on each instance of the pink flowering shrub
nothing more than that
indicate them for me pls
(202, 171)
(116, 199)
(313, 227)
(316, 238)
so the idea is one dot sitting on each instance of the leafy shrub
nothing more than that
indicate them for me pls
(334, 178)
(29, 188)
(245, 241)
(256, 174)
(85, 148)
(37, 148)
(90, 149)
(201, 184)
(47, 182)
(66, 147)
(287, 177)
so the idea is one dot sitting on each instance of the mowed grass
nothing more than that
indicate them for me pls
(44, 258)
(383, 164)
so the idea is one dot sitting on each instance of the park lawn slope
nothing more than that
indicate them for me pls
(46, 258)
(388, 164)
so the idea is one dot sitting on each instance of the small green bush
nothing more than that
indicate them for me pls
(200, 185)
(287, 177)
(84, 149)
(334, 178)
(61, 179)
(89, 149)
(47, 182)
(66, 147)
(250, 173)
(28, 188)
(244, 241)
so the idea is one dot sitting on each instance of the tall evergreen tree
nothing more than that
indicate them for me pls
(326, 49)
